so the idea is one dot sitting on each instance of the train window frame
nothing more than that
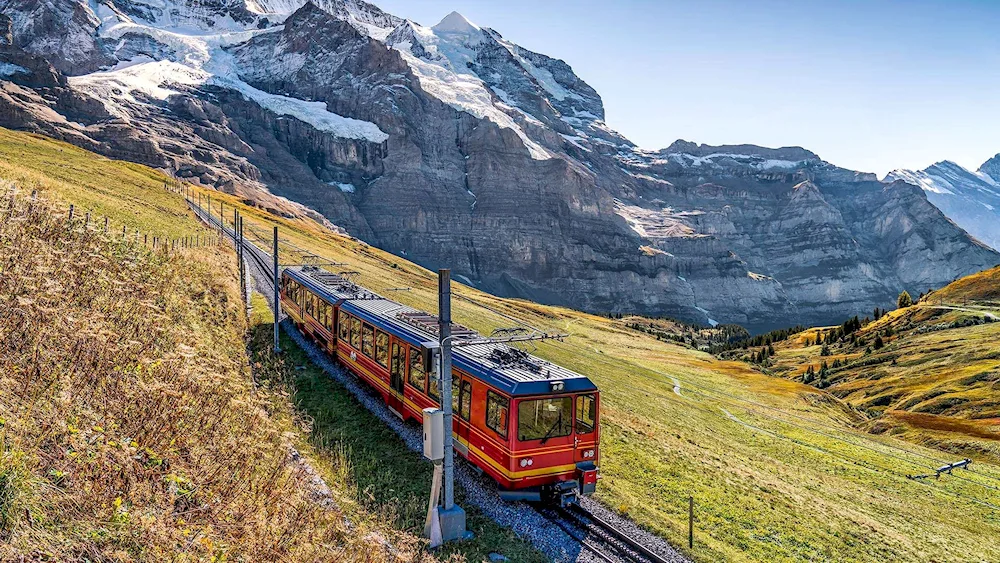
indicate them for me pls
(465, 400)
(355, 333)
(382, 350)
(324, 313)
(497, 404)
(368, 340)
(414, 365)
(310, 304)
(561, 427)
(343, 326)
(592, 426)
(434, 388)
(396, 368)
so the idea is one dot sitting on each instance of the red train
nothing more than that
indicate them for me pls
(531, 425)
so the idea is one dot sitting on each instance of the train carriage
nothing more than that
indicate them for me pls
(531, 425)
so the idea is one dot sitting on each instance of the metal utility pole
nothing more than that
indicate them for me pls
(239, 242)
(452, 516)
(277, 297)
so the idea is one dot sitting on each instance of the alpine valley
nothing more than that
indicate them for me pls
(453, 146)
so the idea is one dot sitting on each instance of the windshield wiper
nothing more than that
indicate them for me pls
(548, 434)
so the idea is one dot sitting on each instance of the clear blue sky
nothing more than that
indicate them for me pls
(870, 86)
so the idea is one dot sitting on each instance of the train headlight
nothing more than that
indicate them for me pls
(588, 453)
(526, 461)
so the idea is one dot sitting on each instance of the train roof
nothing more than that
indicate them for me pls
(509, 369)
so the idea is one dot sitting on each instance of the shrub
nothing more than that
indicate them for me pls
(904, 300)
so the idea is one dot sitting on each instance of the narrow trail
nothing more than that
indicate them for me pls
(987, 314)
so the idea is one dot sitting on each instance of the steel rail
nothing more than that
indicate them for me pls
(579, 513)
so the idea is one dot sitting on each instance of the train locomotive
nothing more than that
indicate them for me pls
(531, 425)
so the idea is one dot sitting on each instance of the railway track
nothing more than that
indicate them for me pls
(600, 538)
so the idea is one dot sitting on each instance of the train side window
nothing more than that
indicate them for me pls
(382, 349)
(497, 408)
(398, 360)
(586, 414)
(355, 333)
(456, 383)
(311, 305)
(465, 401)
(417, 378)
(324, 313)
(368, 341)
(344, 325)
(433, 388)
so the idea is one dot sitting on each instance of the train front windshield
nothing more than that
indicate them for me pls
(543, 419)
(555, 417)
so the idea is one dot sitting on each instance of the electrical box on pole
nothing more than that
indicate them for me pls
(434, 434)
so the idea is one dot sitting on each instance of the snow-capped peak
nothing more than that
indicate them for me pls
(991, 169)
(456, 23)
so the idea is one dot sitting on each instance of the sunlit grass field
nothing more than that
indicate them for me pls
(936, 382)
(779, 471)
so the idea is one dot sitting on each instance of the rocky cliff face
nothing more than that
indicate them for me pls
(455, 147)
(970, 199)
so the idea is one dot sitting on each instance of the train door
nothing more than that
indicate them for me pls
(397, 370)
(585, 437)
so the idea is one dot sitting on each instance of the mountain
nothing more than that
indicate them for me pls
(991, 168)
(970, 199)
(454, 146)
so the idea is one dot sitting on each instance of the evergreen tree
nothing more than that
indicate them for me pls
(904, 300)
(879, 344)
(825, 351)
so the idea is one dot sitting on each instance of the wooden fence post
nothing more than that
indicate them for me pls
(690, 522)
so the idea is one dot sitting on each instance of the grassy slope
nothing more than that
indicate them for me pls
(765, 487)
(136, 433)
(931, 383)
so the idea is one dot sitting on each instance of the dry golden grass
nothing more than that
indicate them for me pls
(130, 429)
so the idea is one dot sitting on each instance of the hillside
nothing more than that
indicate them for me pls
(499, 155)
(777, 469)
(935, 377)
(133, 425)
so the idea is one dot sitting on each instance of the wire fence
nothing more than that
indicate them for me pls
(19, 203)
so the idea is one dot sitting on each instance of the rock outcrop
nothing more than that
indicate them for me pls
(455, 147)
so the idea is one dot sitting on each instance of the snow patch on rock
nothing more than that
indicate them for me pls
(200, 60)
(8, 69)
